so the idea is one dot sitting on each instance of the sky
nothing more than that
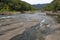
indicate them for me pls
(38, 1)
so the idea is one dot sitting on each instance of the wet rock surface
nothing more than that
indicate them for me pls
(29, 27)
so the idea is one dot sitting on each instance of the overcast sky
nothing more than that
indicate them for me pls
(38, 1)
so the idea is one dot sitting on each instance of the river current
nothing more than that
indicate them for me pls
(38, 31)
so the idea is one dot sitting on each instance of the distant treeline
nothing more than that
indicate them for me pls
(40, 6)
(15, 5)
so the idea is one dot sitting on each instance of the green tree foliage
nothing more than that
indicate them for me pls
(15, 5)
(54, 6)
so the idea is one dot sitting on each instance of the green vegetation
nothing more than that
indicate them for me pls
(15, 5)
(40, 6)
(54, 6)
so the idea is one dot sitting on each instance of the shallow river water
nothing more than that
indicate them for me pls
(37, 32)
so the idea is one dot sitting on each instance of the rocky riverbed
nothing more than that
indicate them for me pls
(29, 27)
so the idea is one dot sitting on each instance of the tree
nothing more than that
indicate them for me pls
(16, 5)
(54, 6)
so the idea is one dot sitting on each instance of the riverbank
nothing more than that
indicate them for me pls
(14, 12)
(55, 15)
(9, 13)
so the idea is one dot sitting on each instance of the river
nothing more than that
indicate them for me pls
(37, 32)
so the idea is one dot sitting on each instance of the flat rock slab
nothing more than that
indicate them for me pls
(9, 31)
(56, 34)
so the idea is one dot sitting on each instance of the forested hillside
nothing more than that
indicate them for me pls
(15, 5)
(54, 6)
(39, 6)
